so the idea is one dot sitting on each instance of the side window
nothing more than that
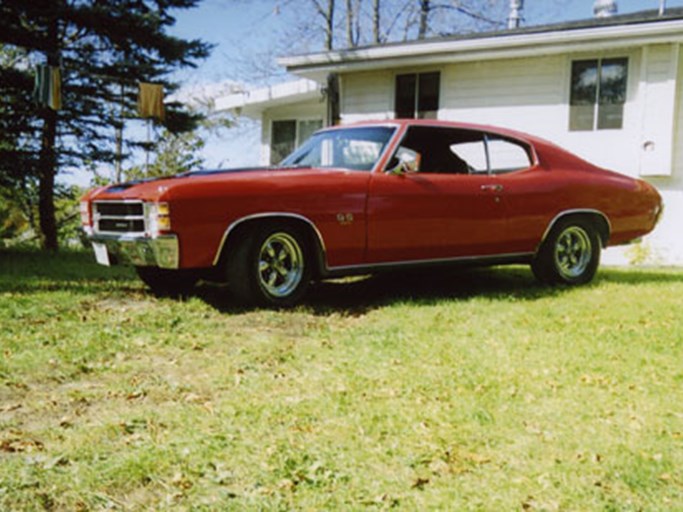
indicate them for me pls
(417, 96)
(598, 94)
(462, 151)
(506, 156)
(446, 150)
(473, 153)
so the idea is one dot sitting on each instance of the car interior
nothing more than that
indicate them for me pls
(435, 146)
(458, 151)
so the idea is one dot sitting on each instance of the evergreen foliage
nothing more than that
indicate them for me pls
(104, 49)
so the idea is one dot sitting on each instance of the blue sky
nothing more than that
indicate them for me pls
(242, 27)
(242, 30)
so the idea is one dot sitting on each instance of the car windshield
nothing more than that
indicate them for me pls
(350, 148)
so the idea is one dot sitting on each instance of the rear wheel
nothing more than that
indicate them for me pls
(270, 266)
(164, 281)
(569, 255)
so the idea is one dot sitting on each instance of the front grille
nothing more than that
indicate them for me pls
(120, 209)
(119, 217)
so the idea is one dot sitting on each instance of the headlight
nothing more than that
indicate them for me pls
(159, 218)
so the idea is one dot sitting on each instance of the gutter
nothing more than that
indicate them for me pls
(486, 48)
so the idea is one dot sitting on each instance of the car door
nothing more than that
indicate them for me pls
(450, 208)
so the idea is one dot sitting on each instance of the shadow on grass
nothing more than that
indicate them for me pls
(357, 296)
(28, 271)
(33, 272)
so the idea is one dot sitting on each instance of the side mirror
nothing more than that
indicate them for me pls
(404, 161)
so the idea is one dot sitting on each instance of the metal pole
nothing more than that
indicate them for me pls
(515, 17)
(149, 141)
(662, 7)
(119, 140)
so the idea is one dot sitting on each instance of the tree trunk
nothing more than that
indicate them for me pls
(329, 29)
(349, 24)
(425, 7)
(375, 21)
(46, 187)
(47, 165)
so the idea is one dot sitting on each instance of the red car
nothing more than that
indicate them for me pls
(368, 197)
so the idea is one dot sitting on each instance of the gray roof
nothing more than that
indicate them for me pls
(635, 18)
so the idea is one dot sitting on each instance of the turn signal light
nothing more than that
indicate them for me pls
(162, 216)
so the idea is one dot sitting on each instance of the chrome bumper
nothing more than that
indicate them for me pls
(162, 251)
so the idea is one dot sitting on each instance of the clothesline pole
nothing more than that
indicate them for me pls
(119, 141)
(149, 140)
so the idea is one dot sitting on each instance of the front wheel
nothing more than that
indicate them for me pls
(569, 255)
(270, 266)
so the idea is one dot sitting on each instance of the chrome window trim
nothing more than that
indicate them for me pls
(266, 215)
(574, 212)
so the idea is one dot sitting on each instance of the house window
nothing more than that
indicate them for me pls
(417, 96)
(289, 134)
(598, 94)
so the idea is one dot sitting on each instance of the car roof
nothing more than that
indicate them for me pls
(437, 123)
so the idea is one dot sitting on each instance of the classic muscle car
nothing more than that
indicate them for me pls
(368, 197)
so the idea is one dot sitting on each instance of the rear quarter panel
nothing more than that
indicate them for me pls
(562, 182)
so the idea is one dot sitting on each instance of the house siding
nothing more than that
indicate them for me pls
(522, 94)
(366, 96)
(666, 243)
(527, 94)
(678, 123)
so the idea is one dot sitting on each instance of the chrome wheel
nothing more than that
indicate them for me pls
(280, 265)
(573, 252)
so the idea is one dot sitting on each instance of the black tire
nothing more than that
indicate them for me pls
(270, 266)
(570, 254)
(164, 281)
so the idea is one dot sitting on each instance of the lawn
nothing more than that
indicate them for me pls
(449, 390)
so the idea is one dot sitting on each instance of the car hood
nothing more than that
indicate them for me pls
(154, 189)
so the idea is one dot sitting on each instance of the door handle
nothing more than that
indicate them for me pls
(493, 188)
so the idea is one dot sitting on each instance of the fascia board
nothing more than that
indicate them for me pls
(505, 46)
(252, 103)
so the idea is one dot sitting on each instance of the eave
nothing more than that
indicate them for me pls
(500, 45)
(253, 103)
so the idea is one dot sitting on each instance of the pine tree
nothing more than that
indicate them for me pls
(104, 48)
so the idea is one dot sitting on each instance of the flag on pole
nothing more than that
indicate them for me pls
(151, 101)
(47, 90)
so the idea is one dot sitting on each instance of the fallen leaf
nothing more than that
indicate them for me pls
(419, 483)
(16, 445)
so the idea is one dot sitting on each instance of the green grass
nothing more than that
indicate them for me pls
(449, 390)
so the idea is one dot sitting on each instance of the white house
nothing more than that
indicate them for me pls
(609, 89)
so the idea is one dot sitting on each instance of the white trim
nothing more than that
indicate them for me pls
(253, 103)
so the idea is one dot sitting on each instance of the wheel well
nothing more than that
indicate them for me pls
(596, 218)
(313, 239)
